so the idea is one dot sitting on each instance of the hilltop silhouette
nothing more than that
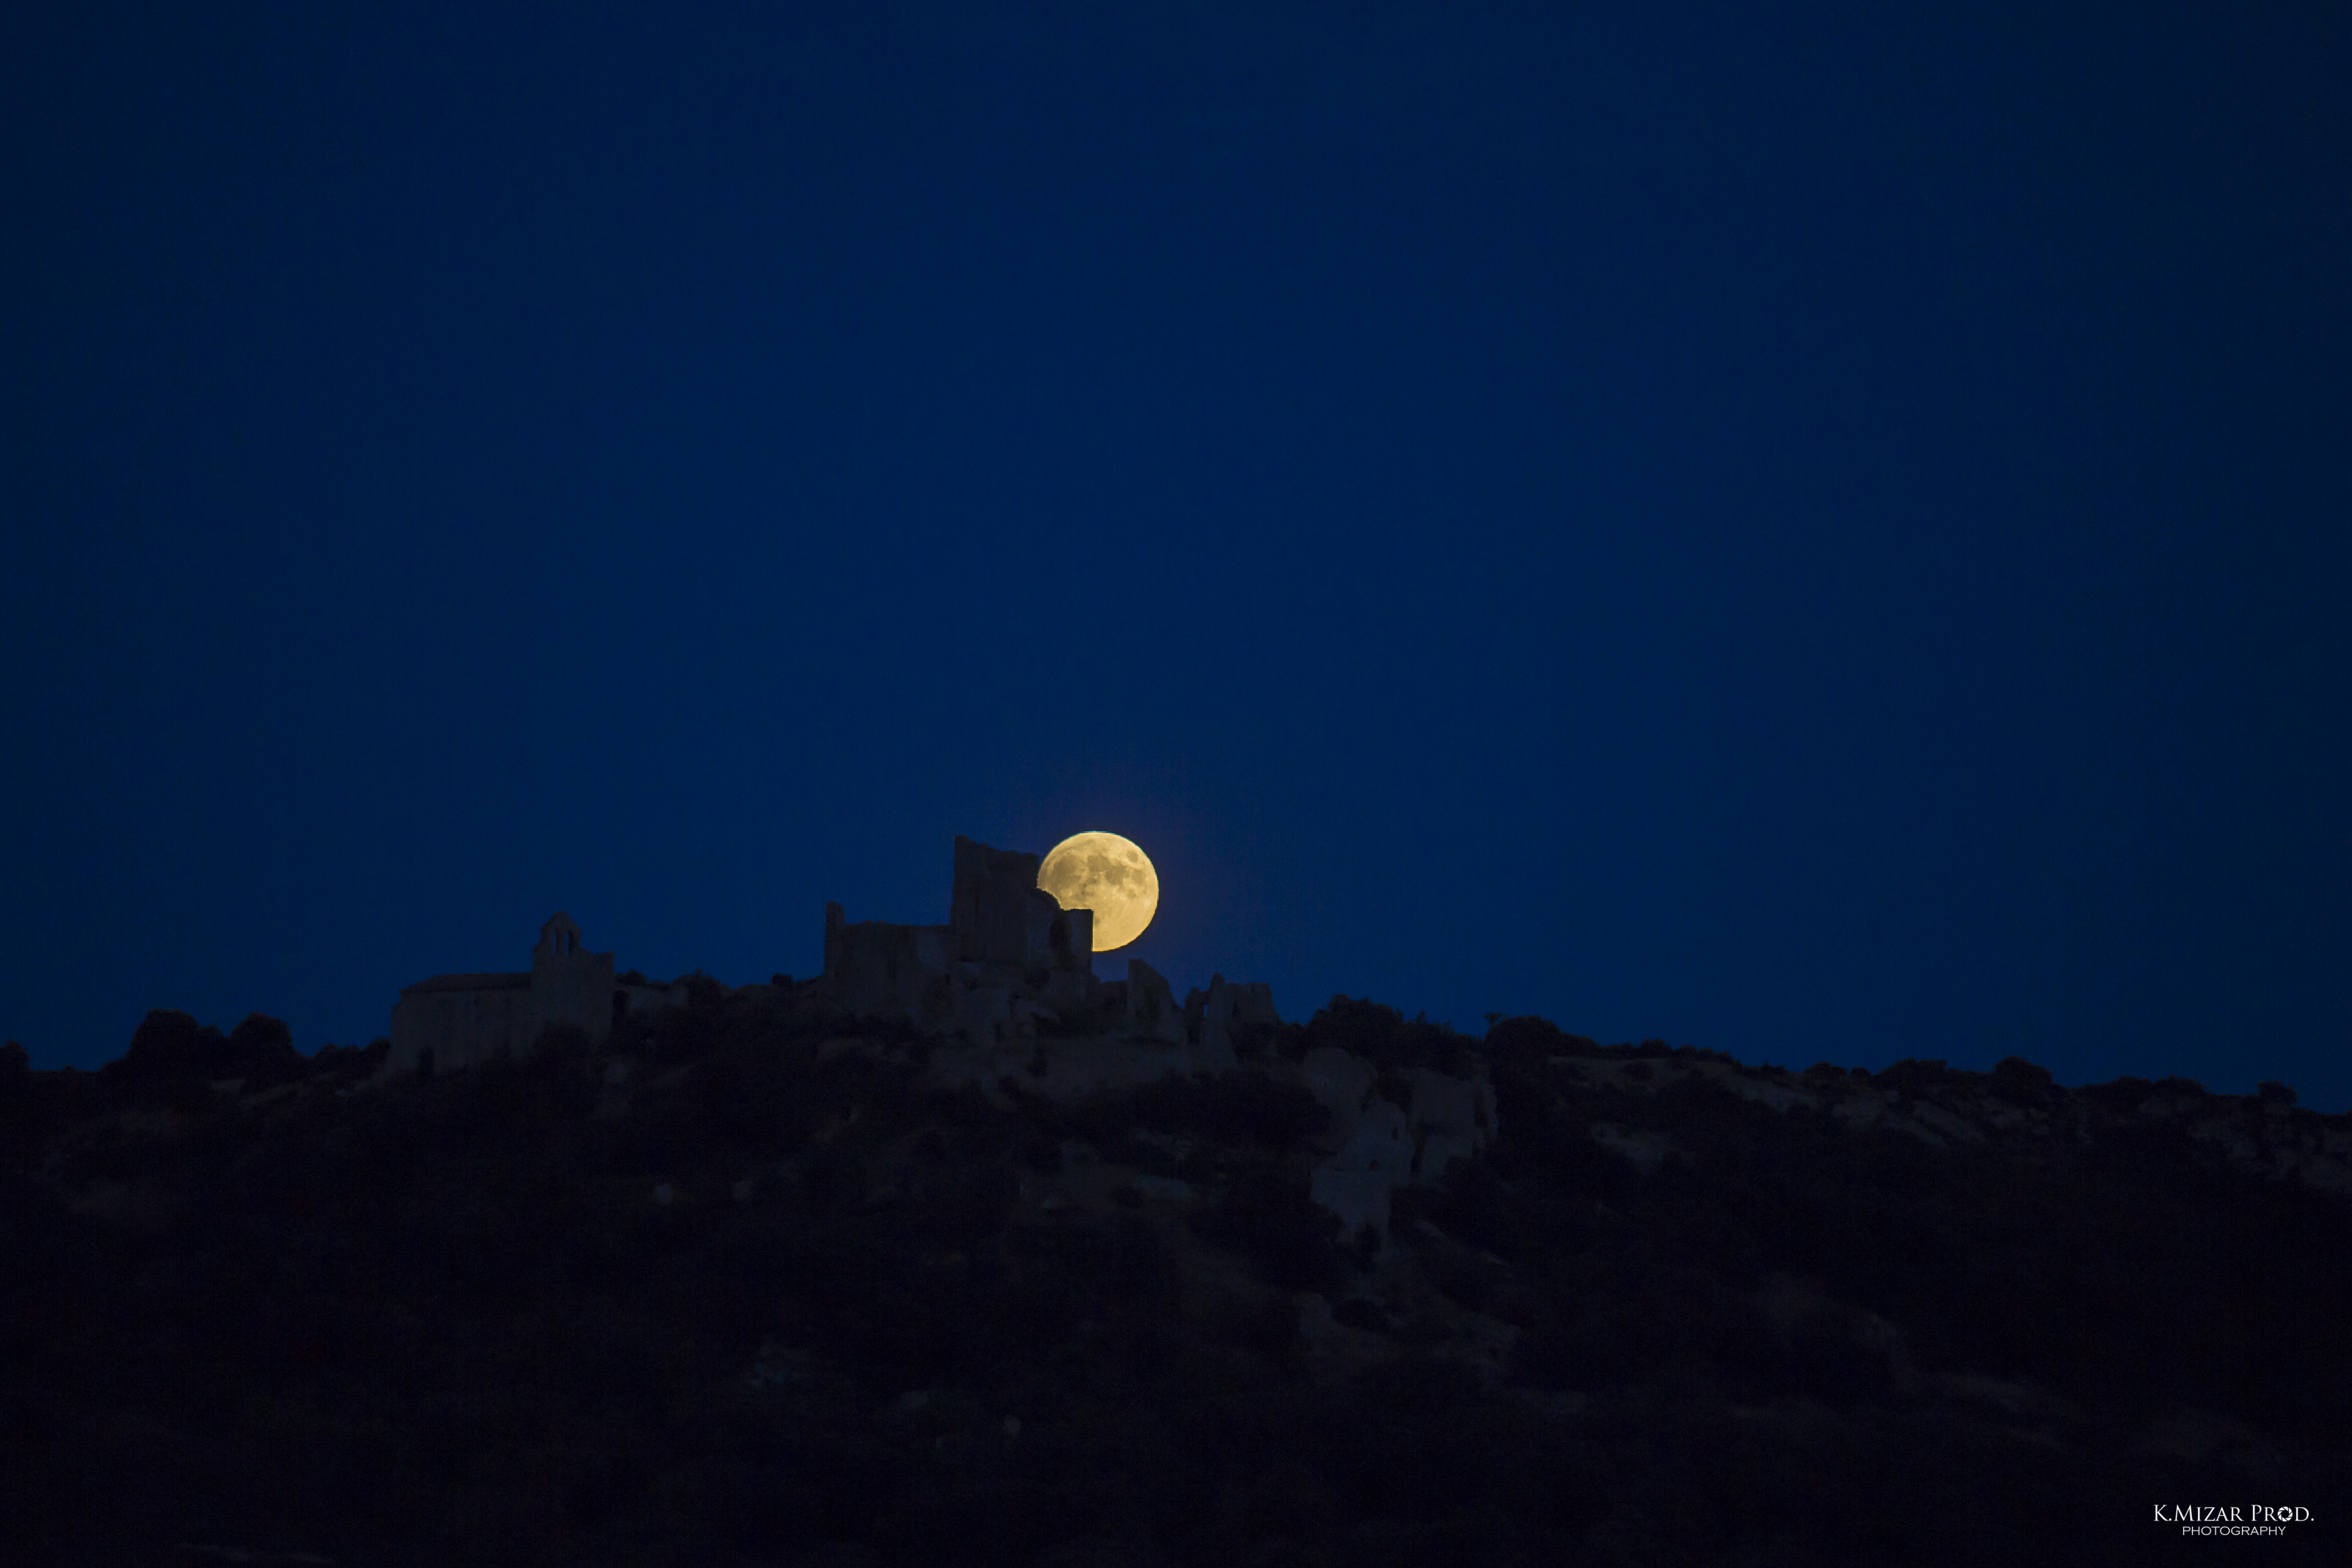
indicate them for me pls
(734, 1286)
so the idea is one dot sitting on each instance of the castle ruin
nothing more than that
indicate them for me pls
(1010, 963)
(1008, 955)
(1010, 977)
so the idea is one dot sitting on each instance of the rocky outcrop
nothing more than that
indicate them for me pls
(1058, 1070)
(1375, 1145)
(1453, 1118)
(1373, 1161)
(1342, 1082)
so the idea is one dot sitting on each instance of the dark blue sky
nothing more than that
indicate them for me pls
(1823, 534)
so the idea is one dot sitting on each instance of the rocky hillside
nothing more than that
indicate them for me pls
(752, 1288)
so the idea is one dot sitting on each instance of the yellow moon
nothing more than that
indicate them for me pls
(1103, 872)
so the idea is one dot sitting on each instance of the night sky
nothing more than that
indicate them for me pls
(1816, 533)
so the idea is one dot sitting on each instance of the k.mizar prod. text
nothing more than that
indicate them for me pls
(2230, 1518)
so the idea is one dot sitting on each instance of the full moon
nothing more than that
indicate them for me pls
(1103, 872)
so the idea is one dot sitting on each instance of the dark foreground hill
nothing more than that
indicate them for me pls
(734, 1292)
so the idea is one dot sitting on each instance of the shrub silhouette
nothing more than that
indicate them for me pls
(2020, 1083)
(1525, 1042)
(261, 1052)
(170, 1053)
(2126, 1093)
(1382, 1036)
(1911, 1076)
(1363, 1026)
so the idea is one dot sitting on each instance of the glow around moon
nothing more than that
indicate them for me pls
(1105, 874)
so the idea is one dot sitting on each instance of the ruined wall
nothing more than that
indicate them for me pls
(875, 966)
(1212, 1015)
(1374, 1146)
(1000, 915)
(1007, 945)
(988, 904)
(1070, 939)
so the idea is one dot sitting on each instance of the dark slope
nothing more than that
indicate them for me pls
(736, 1293)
